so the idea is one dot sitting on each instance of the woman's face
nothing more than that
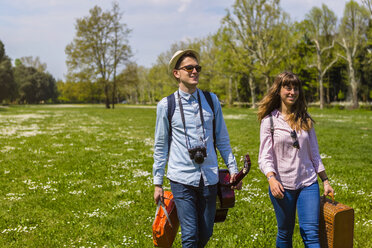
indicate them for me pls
(289, 94)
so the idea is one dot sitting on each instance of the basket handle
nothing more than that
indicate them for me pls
(332, 196)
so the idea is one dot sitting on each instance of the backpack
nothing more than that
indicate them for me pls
(172, 106)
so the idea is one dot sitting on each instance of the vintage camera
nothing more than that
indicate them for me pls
(198, 153)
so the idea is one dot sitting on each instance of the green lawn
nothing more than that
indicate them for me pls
(81, 176)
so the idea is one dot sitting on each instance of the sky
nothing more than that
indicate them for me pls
(44, 28)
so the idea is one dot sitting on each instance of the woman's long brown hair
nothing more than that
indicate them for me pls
(299, 119)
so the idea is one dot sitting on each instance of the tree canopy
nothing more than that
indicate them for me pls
(100, 46)
(255, 41)
(7, 84)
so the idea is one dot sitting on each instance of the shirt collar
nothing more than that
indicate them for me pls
(275, 113)
(187, 95)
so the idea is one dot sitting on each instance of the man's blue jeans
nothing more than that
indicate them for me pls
(196, 209)
(307, 201)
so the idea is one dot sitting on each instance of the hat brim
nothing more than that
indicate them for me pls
(177, 55)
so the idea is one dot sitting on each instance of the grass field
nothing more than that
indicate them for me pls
(81, 176)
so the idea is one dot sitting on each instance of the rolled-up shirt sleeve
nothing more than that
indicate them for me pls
(266, 154)
(161, 142)
(222, 138)
(315, 156)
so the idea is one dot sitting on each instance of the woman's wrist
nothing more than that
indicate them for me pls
(324, 179)
(269, 177)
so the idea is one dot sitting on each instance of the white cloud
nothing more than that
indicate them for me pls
(184, 5)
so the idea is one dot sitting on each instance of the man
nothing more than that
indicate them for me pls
(190, 153)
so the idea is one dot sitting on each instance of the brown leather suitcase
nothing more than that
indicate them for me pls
(336, 224)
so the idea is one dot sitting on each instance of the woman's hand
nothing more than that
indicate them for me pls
(327, 188)
(276, 188)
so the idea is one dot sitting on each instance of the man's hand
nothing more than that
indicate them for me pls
(158, 193)
(239, 185)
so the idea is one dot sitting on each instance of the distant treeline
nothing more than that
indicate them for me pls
(256, 41)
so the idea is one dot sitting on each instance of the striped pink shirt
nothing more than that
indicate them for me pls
(294, 168)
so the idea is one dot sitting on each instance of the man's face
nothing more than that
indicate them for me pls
(189, 79)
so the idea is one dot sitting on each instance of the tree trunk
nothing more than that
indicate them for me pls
(107, 100)
(328, 96)
(230, 97)
(150, 97)
(237, 90)
(353, 81)
(321, 92)
(113, 93)
(253, 93)
(320, 77)
(267, 80)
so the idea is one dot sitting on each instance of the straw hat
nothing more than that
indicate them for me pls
(177, 55)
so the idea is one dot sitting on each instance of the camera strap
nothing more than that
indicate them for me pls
(183, 118)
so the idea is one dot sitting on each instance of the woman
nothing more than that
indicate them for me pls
(289, 157)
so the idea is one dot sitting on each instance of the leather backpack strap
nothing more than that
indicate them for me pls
(208, 97)
(271, 127)
(171, 101)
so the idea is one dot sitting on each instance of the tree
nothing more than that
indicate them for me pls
(129, 84)
(352, 31)
(7, 84)
(367, 53)
(321, 28)
(79, 92)
(232, 68)
(368, 4)
(121, 51)
(33, 62)
(34, 86)
(260, 35)
(100, 46)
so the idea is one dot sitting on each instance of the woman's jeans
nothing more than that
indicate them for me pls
(196, 209)
(307, 201)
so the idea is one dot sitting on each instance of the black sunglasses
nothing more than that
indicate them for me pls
(295, 144)
(190, 68)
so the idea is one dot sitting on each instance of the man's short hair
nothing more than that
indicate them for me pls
(177, 58)
(188, 54)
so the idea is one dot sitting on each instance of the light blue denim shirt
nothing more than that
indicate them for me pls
(181, 168)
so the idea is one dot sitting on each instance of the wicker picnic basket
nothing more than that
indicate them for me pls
(336, 225)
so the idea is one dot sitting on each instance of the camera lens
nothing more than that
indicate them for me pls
(199, 158)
